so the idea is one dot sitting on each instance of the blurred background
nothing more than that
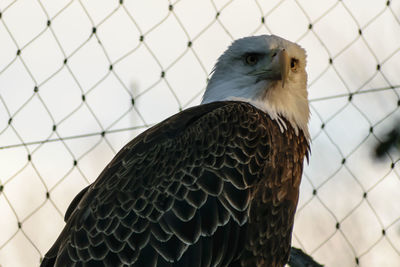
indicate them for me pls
(79, 79)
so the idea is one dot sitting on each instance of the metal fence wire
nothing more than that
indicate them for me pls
(79, 79)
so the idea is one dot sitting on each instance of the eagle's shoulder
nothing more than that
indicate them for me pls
(199, 122)
(180, 122)
(189, 121)
(167, 129)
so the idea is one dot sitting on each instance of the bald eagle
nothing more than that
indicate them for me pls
(214, 185)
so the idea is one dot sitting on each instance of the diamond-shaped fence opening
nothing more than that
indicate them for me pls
(79, 79)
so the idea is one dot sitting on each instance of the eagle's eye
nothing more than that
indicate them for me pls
(251, 59)
(293, 63)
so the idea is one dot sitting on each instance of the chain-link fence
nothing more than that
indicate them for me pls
(79, 79)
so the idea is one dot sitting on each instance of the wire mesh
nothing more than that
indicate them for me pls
(78, 79)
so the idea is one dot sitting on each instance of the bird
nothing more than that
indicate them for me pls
(213, 185)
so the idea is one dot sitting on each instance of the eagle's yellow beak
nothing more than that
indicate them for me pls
(276, 69)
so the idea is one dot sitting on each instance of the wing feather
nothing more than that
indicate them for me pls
(177, 195)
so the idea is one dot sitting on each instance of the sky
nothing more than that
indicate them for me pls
(72, 70)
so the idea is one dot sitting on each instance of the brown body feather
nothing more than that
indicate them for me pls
(215, 185)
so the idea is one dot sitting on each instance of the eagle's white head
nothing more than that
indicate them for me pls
(268, 72)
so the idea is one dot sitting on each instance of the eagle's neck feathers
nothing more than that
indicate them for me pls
(288, 102)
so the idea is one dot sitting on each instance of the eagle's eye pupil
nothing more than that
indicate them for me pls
(251, 60)
(293, 63)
